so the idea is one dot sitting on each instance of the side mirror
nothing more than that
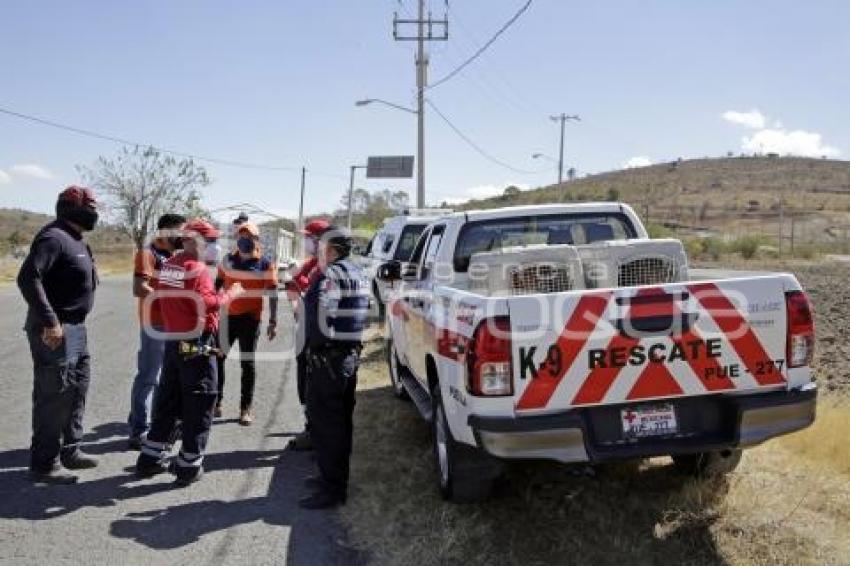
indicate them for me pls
(390, 271)
(410, 272)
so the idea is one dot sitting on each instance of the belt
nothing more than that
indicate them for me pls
(203, 346)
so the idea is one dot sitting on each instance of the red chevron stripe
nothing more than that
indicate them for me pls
(654, 381)
(737, 330)
(599, 381)
(581, 324)
(700, 365)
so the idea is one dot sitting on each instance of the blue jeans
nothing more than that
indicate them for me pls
(145, 383)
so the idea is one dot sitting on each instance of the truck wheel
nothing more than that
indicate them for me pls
(382, 308)
(465, 473)
(395, 372)
(708, 464)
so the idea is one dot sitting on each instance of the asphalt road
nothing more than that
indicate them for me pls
(244, 510)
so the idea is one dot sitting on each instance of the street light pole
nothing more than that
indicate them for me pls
(421, 80)
(300, 250)
(351, 193)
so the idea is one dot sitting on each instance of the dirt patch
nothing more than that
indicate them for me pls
(828, 285)
(778, 508)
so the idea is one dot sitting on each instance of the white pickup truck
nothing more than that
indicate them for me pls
(563, 332)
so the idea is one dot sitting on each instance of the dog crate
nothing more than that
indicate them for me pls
(631, 263)
(526, 270)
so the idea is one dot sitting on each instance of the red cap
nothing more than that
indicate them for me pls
(202, 228)
(316, 227)
(80, 196)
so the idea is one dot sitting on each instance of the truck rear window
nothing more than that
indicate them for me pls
(407, 241)
(493, 235)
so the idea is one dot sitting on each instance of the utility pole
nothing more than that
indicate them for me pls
(563, 120)
(351, 193)
(781, 222)
(422, 35)
(301, 213)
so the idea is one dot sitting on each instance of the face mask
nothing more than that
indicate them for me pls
(245, 245)
(211, 253)
(83, 216)
(310, 246)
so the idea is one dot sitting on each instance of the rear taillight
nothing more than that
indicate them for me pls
(800, 341)
(488, 358)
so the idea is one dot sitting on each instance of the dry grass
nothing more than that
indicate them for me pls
(114, 263)
(777, 509)
(825, 443)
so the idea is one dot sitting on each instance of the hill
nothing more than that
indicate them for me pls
(721, 196)
(17, 228)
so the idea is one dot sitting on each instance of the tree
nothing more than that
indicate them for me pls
(141, 184)
(511, 191)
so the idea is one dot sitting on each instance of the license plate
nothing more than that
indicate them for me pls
(654, 420)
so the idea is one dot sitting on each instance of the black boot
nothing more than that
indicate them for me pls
(54, 475)
(302, 442)
(187, 476)
(148, 466)
(78, 460)
(322, 500)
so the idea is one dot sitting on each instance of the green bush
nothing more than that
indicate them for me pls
(658, 230)
(747, 246)
(713, 247)
(694, 247)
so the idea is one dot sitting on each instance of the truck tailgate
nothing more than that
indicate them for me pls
(626, 345)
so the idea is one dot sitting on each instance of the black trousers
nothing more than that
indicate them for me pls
(243, 329)
(301, 377)
(187, 391)
(330, 403)
(60, 385)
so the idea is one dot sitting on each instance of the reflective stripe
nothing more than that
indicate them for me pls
(153, 444)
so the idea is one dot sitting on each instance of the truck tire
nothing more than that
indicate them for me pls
(465, 474)
(396, 368)
(382, 308)
(708, 464)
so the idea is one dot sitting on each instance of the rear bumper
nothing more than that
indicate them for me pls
(594, 434)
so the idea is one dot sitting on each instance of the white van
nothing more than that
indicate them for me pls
(394, 240)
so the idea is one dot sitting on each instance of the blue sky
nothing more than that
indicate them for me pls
(275, 82)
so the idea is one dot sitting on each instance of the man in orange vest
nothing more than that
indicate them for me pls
(258, 276)
(147, 265)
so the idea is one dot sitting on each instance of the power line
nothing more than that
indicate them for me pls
(123, 141)
(518, 100)
(477, 148)
(484, 47)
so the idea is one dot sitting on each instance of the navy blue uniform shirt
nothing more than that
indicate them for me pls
(336, 305)
(58, 278)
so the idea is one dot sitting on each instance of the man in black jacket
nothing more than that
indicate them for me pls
(58, 280)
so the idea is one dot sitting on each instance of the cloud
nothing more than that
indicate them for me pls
(481, 192)
(752, 119)
(778, 139)
(784, 142)
(31, 170)
(637, 161)
(4, 177)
